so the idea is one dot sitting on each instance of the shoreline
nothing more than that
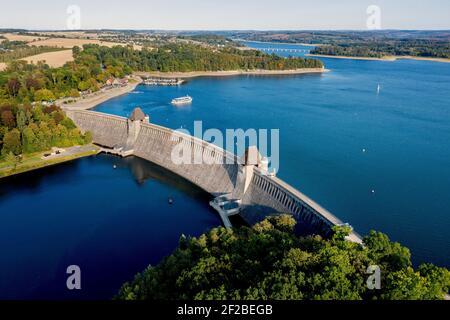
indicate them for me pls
(350, 57)
(103, 96)
(100, 97)
(386, 58)
(35, 161)
(196, 74)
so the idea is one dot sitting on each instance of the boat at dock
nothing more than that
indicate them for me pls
(182, 100)
(163, 82)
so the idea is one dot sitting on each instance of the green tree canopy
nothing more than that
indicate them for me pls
(12, 142)
(44, 95)
(24, 129)
(268, 261)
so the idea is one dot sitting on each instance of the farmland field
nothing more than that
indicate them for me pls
(53, 59)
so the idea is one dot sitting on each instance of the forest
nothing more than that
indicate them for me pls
(379, 49)
(190, 57)
(370, 43)
(25, 129)
(269, 262)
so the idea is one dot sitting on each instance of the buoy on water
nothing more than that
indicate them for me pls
(114, 167)
(170, 201)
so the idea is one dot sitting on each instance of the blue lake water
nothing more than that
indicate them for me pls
(376, 160)
(112, 223)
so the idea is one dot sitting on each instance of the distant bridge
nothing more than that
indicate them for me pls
(284, 50)
(239, 185)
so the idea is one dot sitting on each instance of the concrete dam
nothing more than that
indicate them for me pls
(239, 185)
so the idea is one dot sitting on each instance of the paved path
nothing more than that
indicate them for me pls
(71, 151)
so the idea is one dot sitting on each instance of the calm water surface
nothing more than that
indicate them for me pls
(110, 222)
(377, 160)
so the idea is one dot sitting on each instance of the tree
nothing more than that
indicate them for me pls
(13, 86)
(68, 123)
(437, 278)
(58, 116)
(88, 137)
(44, 95)
(3, 131)
(74, 93)
(44, 136)
(84, 85)
(76, 51)
(12, 159)
(29, 143)
(390, 254)
(33, 83)
(8, 119)
(268, 261)
(11, 142)
(21, 119)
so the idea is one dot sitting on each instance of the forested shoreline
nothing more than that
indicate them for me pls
(189, 57)
(367, 44)
(423, 49)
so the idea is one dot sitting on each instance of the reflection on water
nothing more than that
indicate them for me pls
(111, 216)
(144, 170)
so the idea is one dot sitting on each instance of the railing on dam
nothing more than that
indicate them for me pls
(219, 173)
(208, 150)
(100, 124)
(272, 192)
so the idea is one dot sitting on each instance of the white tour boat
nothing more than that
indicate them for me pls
(182, 100)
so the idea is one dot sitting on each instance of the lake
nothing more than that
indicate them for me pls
(378, 160)
(111, 222)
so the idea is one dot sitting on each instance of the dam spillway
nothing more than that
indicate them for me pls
(225, 176)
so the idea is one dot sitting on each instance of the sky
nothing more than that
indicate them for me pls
(225, 14)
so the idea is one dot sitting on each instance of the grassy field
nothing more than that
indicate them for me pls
(33, 161)
(54, 59)
(19, 37)
(67, 43)
(58, 58)
(70, 43)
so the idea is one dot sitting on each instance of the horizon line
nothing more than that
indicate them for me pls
(214, 30)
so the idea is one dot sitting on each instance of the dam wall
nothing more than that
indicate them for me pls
(156, 144)
(107, 130)
(223, 175)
